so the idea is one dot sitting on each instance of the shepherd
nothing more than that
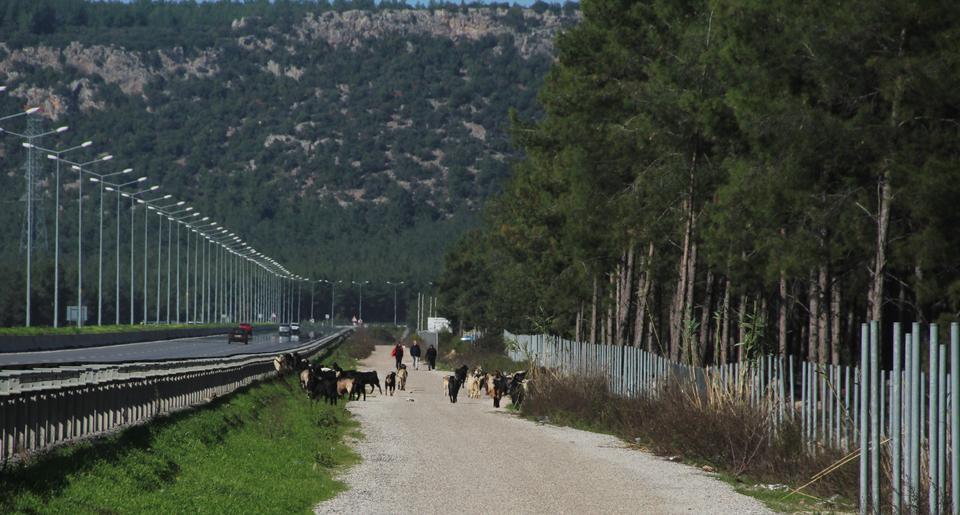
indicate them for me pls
(397, 353)
(431, 358)
(415, 354)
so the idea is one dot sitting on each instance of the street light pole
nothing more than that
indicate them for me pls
(30, 187)
(116, 188)
(361, 283)
(55, 155)
(99, 179)
(79, 169)
(394, 299)
(333, 289)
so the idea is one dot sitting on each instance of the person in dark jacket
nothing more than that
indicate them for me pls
(431, 358)
(415, 354)
(397, 353)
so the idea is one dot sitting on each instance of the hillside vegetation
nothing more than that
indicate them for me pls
(348, 141)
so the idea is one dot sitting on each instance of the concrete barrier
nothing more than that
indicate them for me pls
(73, 341)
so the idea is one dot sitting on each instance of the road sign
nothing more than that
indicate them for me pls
(72, 312)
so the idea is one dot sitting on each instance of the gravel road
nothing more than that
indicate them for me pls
(422, 454)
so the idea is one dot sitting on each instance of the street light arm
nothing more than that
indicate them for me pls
(21, 113)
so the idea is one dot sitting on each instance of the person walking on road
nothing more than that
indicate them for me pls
(431, 358)
(397, 353)
(415, 354)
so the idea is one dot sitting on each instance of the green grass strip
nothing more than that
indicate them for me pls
(265, 449)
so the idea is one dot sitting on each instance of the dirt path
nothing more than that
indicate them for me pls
(422, 454)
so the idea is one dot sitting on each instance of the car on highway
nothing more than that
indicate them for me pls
(295, 329)
(284, 330)
(247, 328)
(238, 335)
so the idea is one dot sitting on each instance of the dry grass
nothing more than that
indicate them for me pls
(718, 429)
(488, 352)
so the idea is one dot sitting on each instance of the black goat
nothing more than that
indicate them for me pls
(517, 388)
(501, 386)
(461, 374)
(453, 388)
(390, 382)
(325, 387)
(364, 379)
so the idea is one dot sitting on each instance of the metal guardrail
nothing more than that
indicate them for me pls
(44, 407)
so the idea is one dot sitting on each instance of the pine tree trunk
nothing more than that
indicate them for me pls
(611, 305)
(593, 313)
(678, 310)
(693, 346)
(623, 328)
(725, 325)
(576, 330)
(639, 312)
(740, 323)
(835, 323)
(705, 318)
(823, 317)
(812, 333)
(875, 297)
(782, 314)
(885, 198)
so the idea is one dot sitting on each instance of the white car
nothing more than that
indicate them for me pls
(284, 330)
(295, 329)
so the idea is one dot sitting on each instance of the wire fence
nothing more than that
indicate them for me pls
(901, 421)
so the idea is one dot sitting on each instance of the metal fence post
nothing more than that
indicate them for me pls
(933, 431)
(954, 418)
(864, 368)
(941, 426)
(916, 382)
(895, 421)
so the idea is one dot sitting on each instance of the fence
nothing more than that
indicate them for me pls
(40, 408)
(902, 423)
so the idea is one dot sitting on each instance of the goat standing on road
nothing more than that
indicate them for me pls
(453, 387)
(402, 377)
(390, 383)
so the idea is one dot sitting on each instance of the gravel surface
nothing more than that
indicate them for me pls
(422, 454)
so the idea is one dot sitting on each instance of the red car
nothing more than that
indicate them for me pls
(247, 328)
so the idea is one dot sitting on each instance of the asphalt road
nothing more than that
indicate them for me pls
(422, 454)
(183, 348)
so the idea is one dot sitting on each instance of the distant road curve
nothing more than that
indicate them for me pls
(183, 348)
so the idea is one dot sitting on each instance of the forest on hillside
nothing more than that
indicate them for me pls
(347, 161)
(715, 178)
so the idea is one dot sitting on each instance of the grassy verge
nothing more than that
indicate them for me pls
(723, 433)
(265, 449)
(103, 329)
(488, 352)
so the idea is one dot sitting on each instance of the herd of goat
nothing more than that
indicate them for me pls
(478, 382)
(333, 383)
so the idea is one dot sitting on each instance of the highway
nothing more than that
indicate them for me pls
(183, 348)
